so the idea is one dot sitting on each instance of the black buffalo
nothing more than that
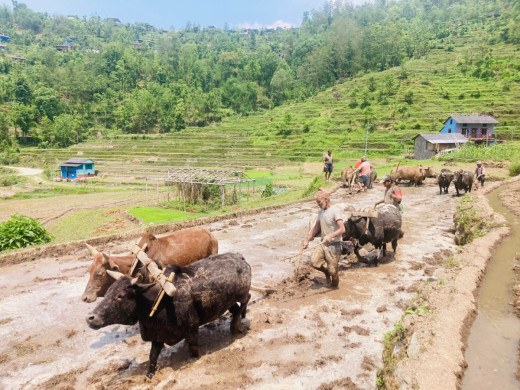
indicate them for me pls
(372, 178)
(385, 228)
(463, 180)
(444, 179)
(206, 289)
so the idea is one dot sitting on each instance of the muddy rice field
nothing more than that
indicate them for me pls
(305, 335)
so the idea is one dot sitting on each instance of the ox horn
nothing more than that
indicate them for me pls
(116, 275)
(136, 280)
(92, 250)
(105, 259)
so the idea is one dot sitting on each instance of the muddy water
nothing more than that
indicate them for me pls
(493, 341)
(304, 336)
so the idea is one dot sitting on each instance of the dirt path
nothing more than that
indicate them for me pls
(305, 336)
(22, 171)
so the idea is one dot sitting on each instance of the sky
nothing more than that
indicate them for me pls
(177, 13)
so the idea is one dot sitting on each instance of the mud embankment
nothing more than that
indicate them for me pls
(430, 341)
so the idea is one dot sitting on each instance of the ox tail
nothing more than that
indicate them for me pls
(263, 290)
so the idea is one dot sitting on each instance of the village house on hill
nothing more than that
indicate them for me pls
(457, 130)
(77, 168)
(478, 128)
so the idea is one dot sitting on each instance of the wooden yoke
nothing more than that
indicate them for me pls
(154, 270)
(363, 214)
(136, 260)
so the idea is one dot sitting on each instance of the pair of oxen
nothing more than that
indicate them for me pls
(206, 286)
(462, 180)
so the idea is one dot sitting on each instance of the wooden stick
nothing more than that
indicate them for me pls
(297, 265)
(161, 295)
(136, 260)
(292, 256)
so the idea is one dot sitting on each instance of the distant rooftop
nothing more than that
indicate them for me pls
(443, 138)
(473, 119)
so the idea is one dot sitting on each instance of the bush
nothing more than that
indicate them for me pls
(21, 231)
(268, 191)
(514, 168)
(8, 180)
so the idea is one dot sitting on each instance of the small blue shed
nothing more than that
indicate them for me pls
(76, 168)
(478, 128)
(5, 38)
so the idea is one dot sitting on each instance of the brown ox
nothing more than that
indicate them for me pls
(415, 174)
(348, 176)
(181, 247)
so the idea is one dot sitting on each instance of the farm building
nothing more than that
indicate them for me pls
(478, 128)
(76, 168)
(5, 38)
(65, 47)
(428, 145)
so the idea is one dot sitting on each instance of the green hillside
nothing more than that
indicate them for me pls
(395, 105)
(137, 99)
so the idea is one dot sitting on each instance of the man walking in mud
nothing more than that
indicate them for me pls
(326, 255)
(480, 173)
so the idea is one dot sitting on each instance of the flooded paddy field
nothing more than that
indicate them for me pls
(304, 335)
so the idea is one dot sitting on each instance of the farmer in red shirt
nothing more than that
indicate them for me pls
(364, 173)
(392, 193)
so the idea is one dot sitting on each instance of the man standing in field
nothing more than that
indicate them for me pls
(364, 173)
(326, 255)
(480, 173)
(328, 164)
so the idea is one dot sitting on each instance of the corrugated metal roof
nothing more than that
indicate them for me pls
(78, 160)
(441, 138)
(70, 165)
(473, 119)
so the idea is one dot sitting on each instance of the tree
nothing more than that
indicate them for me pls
(22, 117)
(4, 130)
(47, 102)
(281, 85)
(67, 130)
(22, 91)
(240, 95)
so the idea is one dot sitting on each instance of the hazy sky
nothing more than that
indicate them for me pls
(168, 13)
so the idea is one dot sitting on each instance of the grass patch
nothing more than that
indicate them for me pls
(451, 262)
(469, 152)
(158, 215)
(88, 223)
(393, 352)
(60, 190)
(468, 225)
(514, 168)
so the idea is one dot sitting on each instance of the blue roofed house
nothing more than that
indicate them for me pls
(477, 128)
(77, 168)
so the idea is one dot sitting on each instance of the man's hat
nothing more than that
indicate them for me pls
(387, 178)
(479, 162)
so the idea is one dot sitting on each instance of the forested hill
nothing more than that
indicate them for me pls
(61, 77)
